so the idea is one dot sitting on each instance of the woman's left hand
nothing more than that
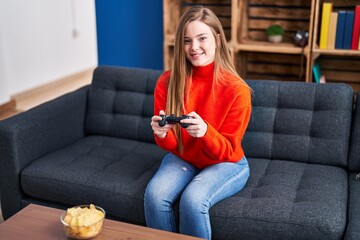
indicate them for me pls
(197, 127)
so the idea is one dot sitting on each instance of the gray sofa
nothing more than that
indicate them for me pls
(95, 145)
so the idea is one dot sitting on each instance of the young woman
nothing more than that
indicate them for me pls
(206, 163)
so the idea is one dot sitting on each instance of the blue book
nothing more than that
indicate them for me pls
(340, 30)
(349, 23)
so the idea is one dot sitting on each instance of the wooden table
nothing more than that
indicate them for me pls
(39, 222)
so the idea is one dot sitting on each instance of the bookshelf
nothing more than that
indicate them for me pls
(245, 23)
(338, 65)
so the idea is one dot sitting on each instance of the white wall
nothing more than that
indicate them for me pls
(4, 92)
(38, 44)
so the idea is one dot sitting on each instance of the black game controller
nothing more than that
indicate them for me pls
(171, 119)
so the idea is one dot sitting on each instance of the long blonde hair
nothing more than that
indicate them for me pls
(182, 68)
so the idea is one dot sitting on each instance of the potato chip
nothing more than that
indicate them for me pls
(83, 222)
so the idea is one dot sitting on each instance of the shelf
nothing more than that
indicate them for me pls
(262, 46)
(256, 46)
(336, 52)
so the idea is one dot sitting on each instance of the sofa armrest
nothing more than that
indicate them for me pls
(30, 135)
(353, 226)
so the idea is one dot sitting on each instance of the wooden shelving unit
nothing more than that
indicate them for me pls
(245, 23)
(337, 65)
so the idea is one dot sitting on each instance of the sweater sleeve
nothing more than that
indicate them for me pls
(222, 144)
(168, 143)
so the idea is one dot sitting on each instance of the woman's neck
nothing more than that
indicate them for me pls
(203, 72)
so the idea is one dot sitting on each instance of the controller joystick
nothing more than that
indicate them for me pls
(172, 119)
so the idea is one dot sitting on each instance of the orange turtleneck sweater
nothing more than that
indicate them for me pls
(226, 109)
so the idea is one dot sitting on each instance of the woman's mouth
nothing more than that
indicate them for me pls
(196, 55)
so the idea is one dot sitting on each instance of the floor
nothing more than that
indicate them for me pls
(34, 97)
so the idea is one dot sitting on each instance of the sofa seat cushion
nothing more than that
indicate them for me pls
(285, 200)
(106, 171)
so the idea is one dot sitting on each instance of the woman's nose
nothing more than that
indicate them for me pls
(194, 46)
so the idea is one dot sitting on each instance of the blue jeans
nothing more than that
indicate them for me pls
(198, 190)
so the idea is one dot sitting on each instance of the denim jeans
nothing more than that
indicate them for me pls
(198, 190)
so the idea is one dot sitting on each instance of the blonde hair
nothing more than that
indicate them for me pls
(182, 68)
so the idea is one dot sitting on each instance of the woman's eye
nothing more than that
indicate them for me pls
(187, 41)
(202, 38)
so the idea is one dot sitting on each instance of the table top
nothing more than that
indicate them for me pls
(40, 222)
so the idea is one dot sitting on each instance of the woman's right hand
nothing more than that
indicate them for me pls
(160, 132)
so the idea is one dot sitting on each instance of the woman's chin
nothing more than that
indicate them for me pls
(199, 63)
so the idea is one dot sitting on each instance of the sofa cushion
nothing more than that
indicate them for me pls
(285, 200)
(354, 155)
(110, 172)
(297, 121)
(121, 103)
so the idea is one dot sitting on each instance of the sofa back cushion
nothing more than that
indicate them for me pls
(121, 103)
(354, 157)
(298, 121)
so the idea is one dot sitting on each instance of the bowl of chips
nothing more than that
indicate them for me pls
(83, 221)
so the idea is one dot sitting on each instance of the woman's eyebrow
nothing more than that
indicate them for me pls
(199, 35)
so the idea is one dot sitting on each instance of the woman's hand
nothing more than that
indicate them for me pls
(160, 132)
(197, 127)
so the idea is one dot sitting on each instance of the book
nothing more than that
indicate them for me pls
(339, 39)
(356, 29)
(324, 31)
(317, 72)
(349, 22)
(359, 44)
(332, 30)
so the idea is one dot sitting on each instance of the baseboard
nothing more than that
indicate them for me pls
(7, 106)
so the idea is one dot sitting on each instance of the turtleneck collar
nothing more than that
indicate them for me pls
(203, 72)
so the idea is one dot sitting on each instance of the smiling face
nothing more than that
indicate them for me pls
(200, 43)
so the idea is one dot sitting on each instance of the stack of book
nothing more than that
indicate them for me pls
(339, 29)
